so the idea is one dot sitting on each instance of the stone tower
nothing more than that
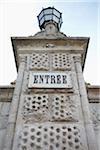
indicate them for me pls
(49, 109)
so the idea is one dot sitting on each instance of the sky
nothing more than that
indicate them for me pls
(19, 18)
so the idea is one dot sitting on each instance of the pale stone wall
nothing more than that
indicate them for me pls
(6, 94)
(94, 101)
(39, 107)
(44, 118)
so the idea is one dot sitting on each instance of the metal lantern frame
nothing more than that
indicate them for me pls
(50, 14)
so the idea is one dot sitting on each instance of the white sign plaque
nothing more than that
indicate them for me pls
(49, 80)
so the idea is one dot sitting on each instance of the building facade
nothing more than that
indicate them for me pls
(50, 107)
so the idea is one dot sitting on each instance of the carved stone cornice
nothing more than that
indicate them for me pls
(27, 45)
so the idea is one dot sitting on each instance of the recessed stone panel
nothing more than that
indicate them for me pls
(64, 108)
(61, 61)
(53, 107)
(35, 107)
(50, 137)
(39, 61)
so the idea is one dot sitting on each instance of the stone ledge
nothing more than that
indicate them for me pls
(6, 93)
(93, 92)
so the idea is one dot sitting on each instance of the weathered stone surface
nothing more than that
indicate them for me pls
(2, 138)
(48, 118)
(4, 114)
(6, 93)
(51, 136)
(61, 61)
(53, 107)
(95, 114)
(39, 61)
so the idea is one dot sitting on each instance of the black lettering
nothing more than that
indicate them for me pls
(47, 78)
(64, 79)
(35, 79)
(52, 79)
(41, 78)
(58, 79)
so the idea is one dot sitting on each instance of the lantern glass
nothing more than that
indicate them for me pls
(56, 13)
(47, 11)
(41, 15)
(50, 14)
(56, 19)
(48, 17)
(41, 21)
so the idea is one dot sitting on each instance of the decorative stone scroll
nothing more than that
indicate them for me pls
(50, 137)
(64, 108)
(39, 61)
(61, 61)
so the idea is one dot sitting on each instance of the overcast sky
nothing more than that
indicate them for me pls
(19, 18)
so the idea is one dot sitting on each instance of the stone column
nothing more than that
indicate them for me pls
(14, 107)
(84, 104)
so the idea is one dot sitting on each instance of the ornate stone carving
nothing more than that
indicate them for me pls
(35, 107)
(61, 61)
(53, 107)
(39, 61)
(50, 137)
(64, 108)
